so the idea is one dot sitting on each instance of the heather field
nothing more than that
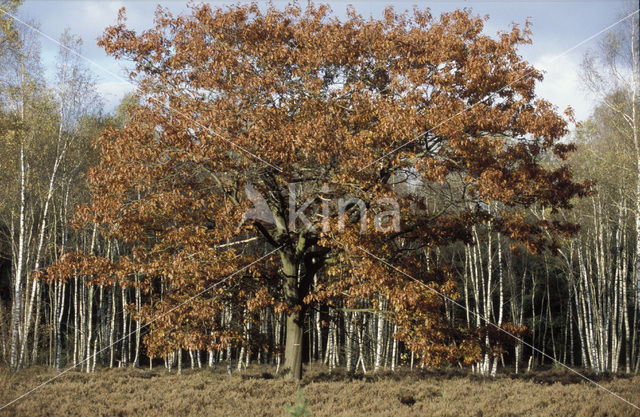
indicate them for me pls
(255, 392)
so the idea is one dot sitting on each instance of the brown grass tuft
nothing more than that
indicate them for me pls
(407, 399)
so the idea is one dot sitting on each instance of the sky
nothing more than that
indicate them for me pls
(563, 31)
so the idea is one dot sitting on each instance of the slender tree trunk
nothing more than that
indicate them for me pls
(17, 282)
(76, 324)
(89, 327)
(317, 351)
(500, 299)
(36, 326)
(394, 351)
(348, 321)
(59, 315)
(278, 336)
(379, 338)
(361, 358)
(112, 325)
(125, 351)
(136, 360)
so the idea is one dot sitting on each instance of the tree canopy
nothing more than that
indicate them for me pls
(390, 137)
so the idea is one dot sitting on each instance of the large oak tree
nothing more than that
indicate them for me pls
(296, 112)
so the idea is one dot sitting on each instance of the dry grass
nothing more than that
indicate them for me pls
(136, 392)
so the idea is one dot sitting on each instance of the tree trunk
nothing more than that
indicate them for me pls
(136, 359)
(293, 346)
(295, 319)
(124, 357)
(17, 282)
(379, 338)
(348, 323)
(89, 327)
(112, 325)
(36, 326)
(58, 324)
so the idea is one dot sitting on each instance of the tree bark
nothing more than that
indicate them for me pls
(17, 282)
(295, 318)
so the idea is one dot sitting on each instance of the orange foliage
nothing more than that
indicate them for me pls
(237, 96)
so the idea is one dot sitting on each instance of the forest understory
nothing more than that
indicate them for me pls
(257, 392)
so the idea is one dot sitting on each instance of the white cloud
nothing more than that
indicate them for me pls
(100, 12)
(112, 92)
(562, 85)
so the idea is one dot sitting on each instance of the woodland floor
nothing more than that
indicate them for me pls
(138, 392)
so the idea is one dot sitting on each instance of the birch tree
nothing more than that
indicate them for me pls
(612, 72)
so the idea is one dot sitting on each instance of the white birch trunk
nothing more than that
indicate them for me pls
(379, 338)
(17, 282)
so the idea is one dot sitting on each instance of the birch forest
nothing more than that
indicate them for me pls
(107, 262)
